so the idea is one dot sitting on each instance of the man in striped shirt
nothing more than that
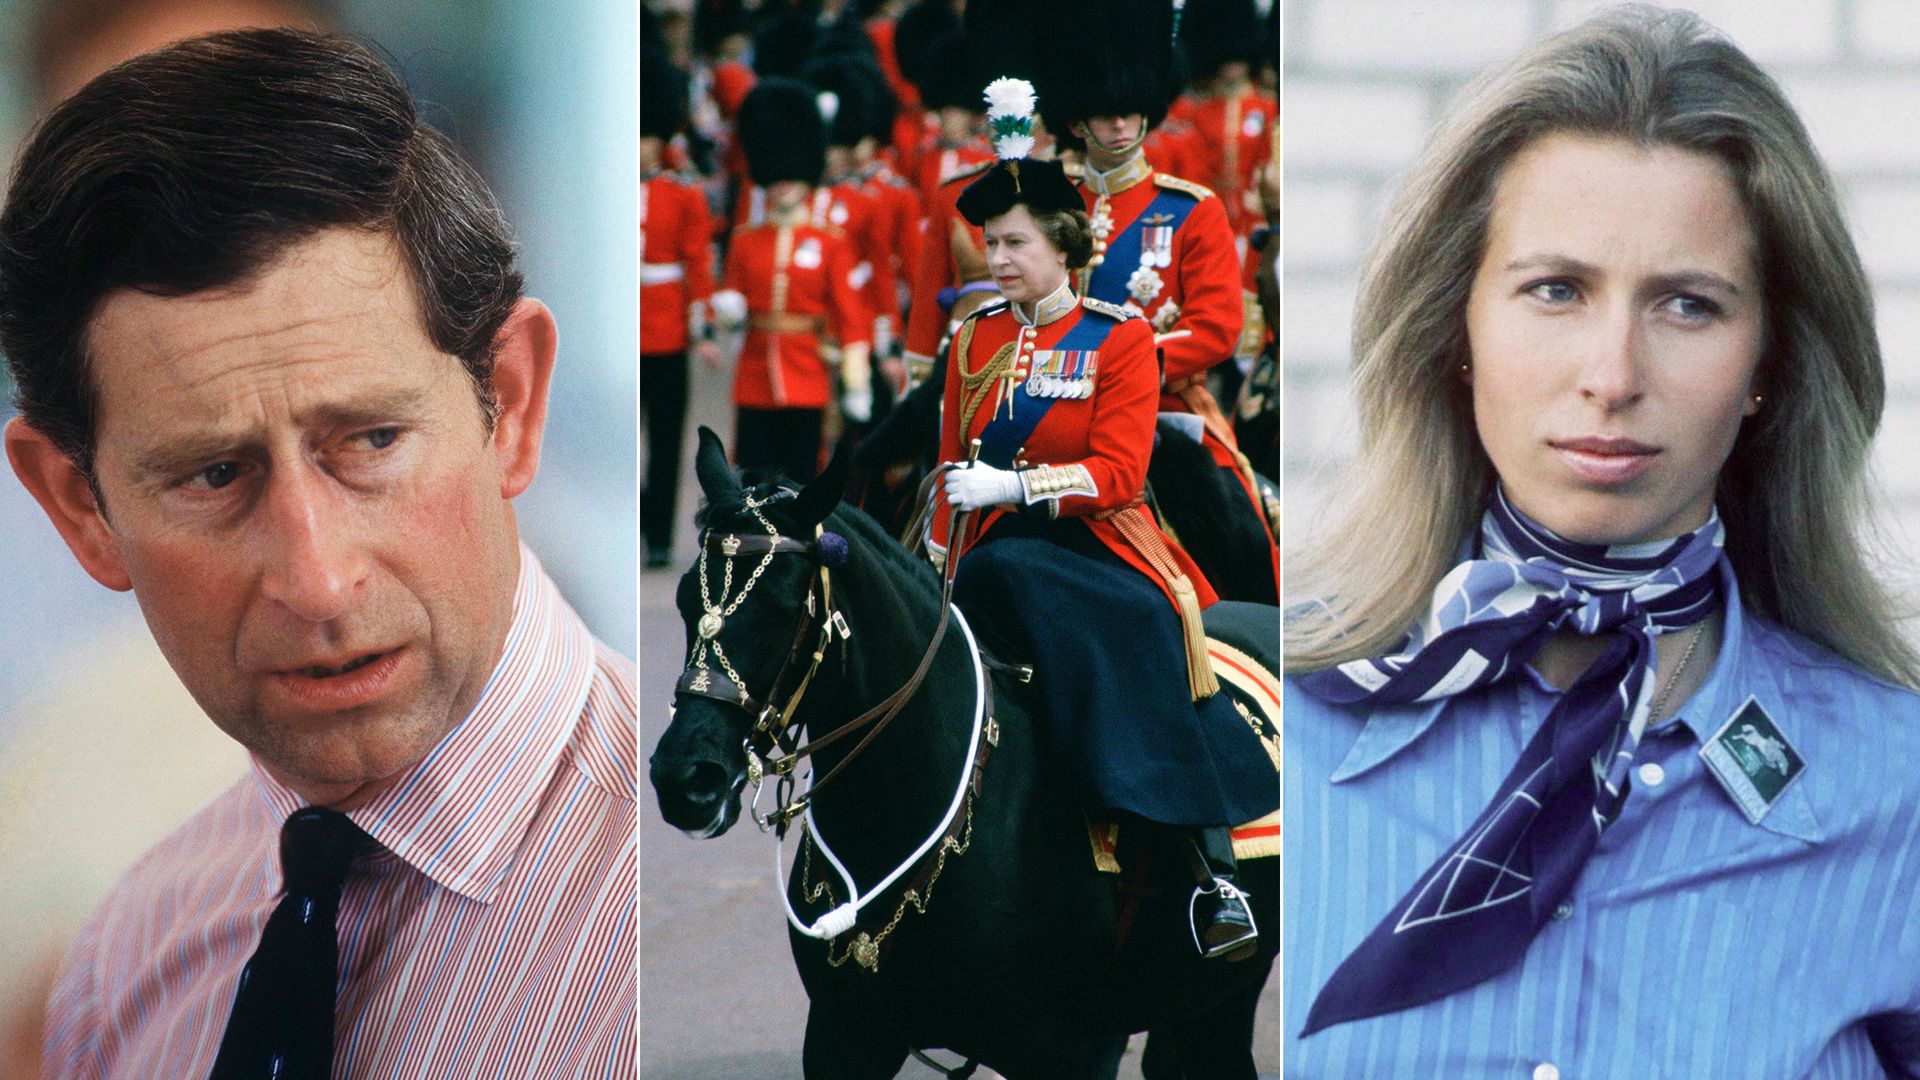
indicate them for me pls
(311, 388)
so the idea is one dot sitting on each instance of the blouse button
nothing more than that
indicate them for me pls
(1651, 774)
(1563, 912)
(1546, 1070)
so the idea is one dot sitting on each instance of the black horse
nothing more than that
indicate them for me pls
(1018, 953)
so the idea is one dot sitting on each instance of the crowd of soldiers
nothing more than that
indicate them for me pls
(800, 164)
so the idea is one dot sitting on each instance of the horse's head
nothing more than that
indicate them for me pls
(754, 611)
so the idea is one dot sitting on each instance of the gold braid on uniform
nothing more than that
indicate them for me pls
(974, 385)
(1134, 524)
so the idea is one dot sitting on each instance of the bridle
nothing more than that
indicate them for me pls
(772, 745)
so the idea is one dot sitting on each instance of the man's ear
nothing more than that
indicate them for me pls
(522, 367)
(57, 485)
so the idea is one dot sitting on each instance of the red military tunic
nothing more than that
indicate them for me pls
(1090, 444)
(952, 254)
(900, 212)
(797, 281)
(676, 268)
(859, 217)
(1163, 245)
(1233, 135)
(940, 162)
(1195, 309)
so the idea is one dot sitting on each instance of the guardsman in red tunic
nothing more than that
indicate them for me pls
(957, 142)
(791, 284)
(1049, 412)
(1233, 120)
(676, 279)
(1162, 245)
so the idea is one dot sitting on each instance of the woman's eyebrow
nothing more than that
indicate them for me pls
(1687, 279)
(1554, 263)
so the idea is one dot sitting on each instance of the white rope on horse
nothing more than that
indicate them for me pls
(841, 919)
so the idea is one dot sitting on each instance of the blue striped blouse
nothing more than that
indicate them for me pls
(1694, 945)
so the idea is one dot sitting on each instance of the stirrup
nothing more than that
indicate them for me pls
(1228, 941)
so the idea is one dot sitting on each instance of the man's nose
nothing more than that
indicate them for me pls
(313, 562)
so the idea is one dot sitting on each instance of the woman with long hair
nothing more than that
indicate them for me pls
(1600, 726)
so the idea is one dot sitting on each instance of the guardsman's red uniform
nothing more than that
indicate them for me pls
(953, 255)
(1233, 135)
(940, 162)
(858, 216)
(900, 210)
(797, 281)
(676, 268)
(1163, 246)
(1070, 403)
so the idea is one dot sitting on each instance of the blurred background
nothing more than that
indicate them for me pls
(101, 749)
(1367, 79)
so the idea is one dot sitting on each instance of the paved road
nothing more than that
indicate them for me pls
(719, 999)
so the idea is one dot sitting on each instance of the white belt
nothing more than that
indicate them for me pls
(661, 273)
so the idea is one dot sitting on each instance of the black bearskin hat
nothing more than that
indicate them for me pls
(914, 34)
(781, 44)
(663, 94)
(847, 79)
(1123, 64)
(782, 133)
(1217, 32)
(947, 79)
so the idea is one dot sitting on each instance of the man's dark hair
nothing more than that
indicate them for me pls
(194, 166)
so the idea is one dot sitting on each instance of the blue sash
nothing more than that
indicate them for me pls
(1003, 437)
(1109, 280)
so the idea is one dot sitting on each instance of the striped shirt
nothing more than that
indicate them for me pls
(1694, 943)
(492, 935)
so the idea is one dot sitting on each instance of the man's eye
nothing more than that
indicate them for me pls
(381, 438)
(219, 476)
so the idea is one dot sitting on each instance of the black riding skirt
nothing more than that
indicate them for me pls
(1110, 672)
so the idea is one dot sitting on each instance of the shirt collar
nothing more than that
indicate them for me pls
(460, 814)
(1737, 674)
(1120, 177)
(1051, 307)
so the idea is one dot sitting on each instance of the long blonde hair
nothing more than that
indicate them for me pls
(1793, 493)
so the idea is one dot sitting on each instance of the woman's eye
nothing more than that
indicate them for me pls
(1693, 308)
(1554, 292)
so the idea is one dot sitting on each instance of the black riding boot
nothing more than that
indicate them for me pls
(1222, 922)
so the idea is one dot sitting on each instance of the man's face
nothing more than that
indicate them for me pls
(305, 500)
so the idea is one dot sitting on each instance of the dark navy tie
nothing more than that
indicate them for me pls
(282, 1022)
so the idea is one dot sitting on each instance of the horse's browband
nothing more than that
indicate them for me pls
(731, 544)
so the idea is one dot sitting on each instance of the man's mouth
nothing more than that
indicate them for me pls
(318, 671)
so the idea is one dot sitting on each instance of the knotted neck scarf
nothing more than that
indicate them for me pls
(1473, 913)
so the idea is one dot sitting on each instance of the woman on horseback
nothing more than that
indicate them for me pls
(1048, 422)
(1600, 741)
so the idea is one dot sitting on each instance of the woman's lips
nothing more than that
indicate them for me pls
(1605, 461)
(347, 685)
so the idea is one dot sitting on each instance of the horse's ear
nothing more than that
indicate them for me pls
(825, 491)
(710, 465)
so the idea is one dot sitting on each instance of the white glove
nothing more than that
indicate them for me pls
(980, 485)
(857, 404)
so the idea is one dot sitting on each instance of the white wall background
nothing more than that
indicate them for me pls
(1366, 79)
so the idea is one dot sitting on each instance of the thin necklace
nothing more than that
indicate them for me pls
(1658, 711)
